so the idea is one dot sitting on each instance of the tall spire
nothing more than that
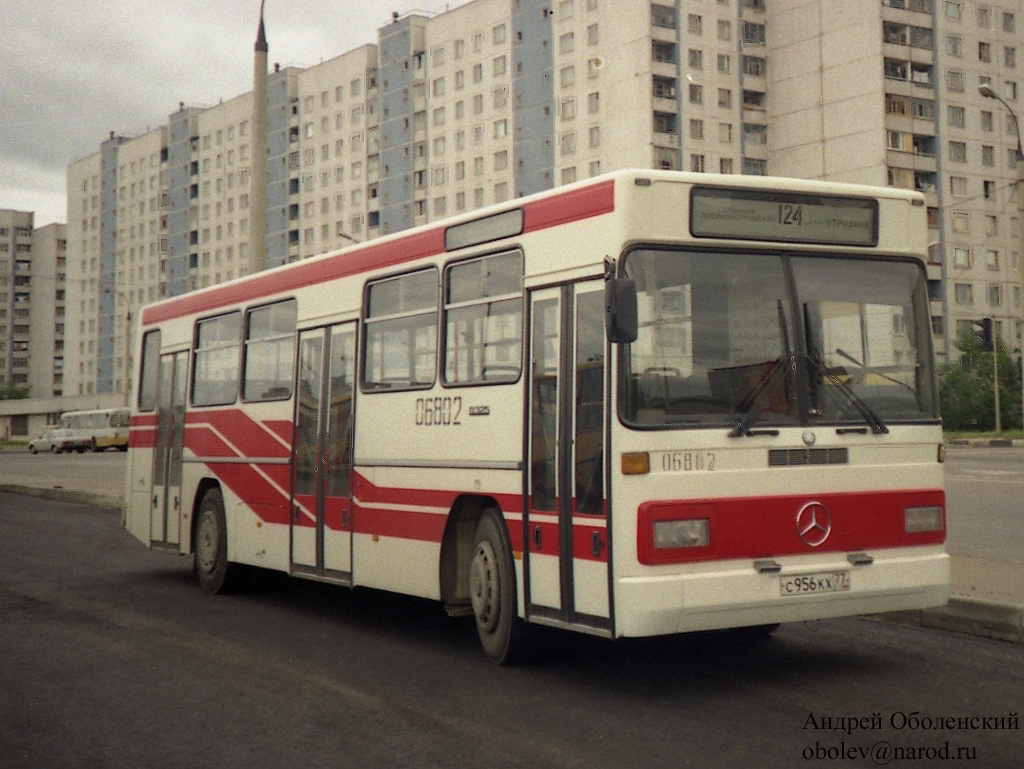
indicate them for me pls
(258, 175)
(261, 34)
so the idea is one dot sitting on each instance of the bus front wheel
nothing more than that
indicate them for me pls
(213, 570)
(492, 589)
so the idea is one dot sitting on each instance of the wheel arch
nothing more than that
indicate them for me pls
(457, 549)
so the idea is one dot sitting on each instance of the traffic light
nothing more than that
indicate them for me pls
(983, 334)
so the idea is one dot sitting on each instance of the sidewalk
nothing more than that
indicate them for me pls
(986, 596)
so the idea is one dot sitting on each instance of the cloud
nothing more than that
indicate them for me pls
(82, 69)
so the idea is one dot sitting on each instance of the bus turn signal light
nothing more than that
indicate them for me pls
(636, 463)
(917, 519)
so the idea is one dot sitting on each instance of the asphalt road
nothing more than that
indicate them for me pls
(985, 512)
(110, 656)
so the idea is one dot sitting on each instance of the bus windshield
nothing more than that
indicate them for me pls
(777, 339)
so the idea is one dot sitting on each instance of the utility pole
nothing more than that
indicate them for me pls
(989, 93)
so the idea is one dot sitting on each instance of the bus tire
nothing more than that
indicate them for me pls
(492, 589)
(210, 545)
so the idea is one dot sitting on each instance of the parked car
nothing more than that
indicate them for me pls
(58, 441)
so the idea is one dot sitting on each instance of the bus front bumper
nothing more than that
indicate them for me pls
(730, 594)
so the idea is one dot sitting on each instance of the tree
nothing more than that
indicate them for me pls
(12, 392)
(966, 391)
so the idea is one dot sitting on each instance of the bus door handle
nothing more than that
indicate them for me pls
(597, 544)
(536, 537)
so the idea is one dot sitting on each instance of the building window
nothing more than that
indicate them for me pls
(964, 293)
(958, 152)
(962, 257)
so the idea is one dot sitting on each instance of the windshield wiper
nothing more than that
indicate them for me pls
(762, 399)
(769, 386)
(813, 357)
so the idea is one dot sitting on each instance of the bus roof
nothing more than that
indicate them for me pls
(568, 203)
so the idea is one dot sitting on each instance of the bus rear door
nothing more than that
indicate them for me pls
(321, 510)
(165, 511)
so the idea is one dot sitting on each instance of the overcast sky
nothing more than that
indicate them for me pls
(72, 71)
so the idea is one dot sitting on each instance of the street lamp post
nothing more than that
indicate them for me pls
(989, 93)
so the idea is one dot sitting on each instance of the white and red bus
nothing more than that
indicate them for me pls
(650, 403)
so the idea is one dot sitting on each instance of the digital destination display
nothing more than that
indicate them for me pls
(791, 218)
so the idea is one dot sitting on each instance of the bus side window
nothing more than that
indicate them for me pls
(400, 348)
(215, 378)
(149, 371)
(269, 352)
(483, 307)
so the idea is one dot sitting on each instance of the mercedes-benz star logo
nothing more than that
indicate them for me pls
(813, 523)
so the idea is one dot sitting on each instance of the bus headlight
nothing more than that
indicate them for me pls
(691, 532)
(916, 519)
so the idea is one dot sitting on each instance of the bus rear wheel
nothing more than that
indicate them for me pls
(213, 570)
(492, 590)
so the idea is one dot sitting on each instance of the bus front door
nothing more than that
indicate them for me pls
(321, 509)
(165, 513)
(566, 524)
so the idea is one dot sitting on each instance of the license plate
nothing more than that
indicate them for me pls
(811, 584)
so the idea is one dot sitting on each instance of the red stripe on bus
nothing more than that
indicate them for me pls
(251, 438)
(276, 281)
(558, 209)
(570, 206)
(764, 527)
(393, 495)
(402, 524)
(245, 481)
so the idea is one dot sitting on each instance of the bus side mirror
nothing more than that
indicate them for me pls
(620, 310)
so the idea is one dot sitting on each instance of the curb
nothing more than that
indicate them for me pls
(65, 495)
(972, 616)
(986, 442)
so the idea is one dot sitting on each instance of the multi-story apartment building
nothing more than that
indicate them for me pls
(500, 98)
(32, 302)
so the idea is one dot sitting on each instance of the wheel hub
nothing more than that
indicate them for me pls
(483, 586)
(206, 549)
